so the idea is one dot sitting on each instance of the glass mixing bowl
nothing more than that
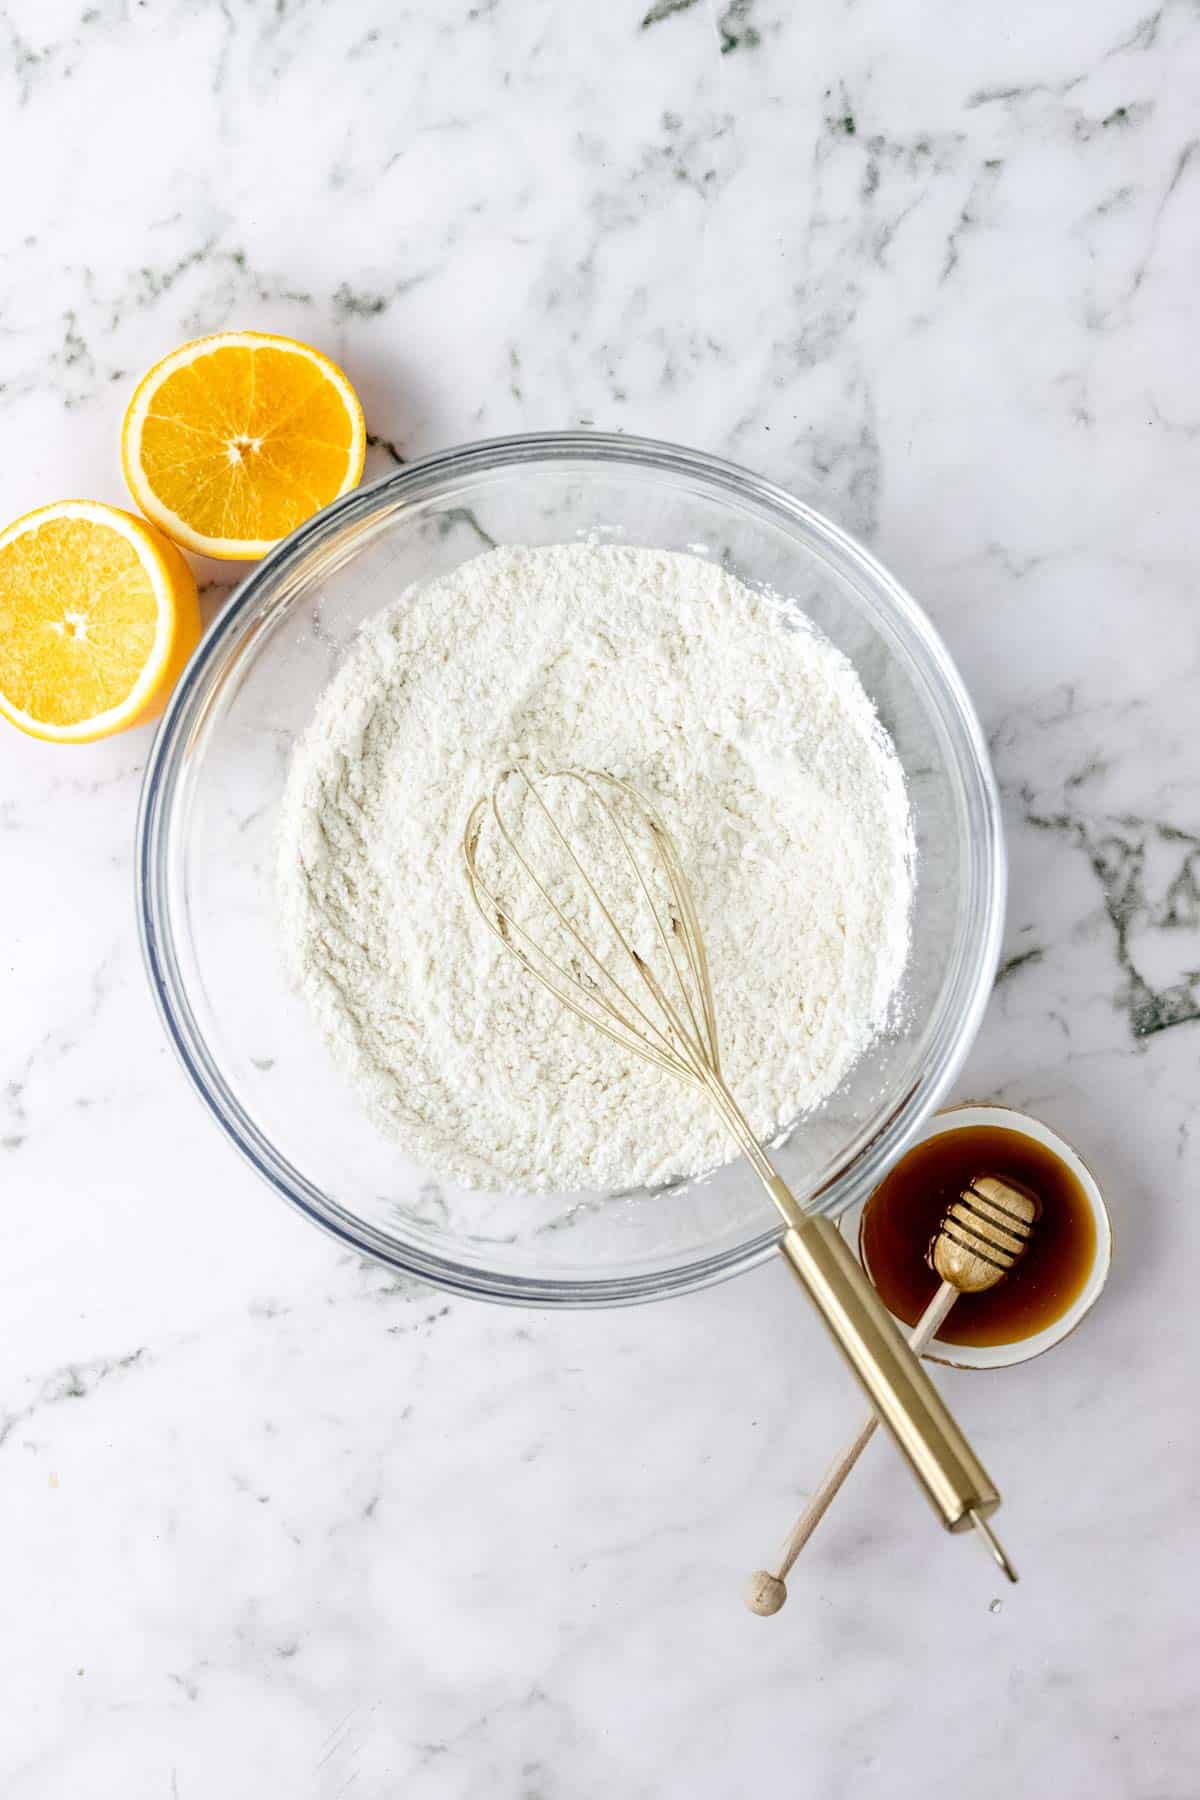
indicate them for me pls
(206, 849)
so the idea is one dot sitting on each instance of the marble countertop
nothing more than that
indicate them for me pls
(276, 1523)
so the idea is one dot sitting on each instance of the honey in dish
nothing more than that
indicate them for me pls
(902, 1216)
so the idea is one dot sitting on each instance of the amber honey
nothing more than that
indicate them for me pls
(901, 1219)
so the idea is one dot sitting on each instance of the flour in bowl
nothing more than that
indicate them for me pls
(747, 731)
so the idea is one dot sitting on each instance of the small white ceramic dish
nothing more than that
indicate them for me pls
(1003, 1356)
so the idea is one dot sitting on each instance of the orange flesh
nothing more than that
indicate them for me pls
(244, 444)
(78, 617)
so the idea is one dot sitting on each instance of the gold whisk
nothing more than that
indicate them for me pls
(670, 1020)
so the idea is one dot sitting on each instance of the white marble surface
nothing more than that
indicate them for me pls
(273, 1523)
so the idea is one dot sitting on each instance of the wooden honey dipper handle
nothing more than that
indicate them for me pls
(981, 1236)
(767, 1592)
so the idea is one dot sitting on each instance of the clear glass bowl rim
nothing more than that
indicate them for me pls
(963, 1004)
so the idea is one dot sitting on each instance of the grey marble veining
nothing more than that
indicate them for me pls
(276, 1522)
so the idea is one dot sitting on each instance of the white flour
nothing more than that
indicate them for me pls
(754, 740)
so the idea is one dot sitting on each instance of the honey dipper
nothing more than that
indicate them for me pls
(981, 1235)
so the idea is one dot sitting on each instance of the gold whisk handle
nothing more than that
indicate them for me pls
(824, 1496)
(894, 1381)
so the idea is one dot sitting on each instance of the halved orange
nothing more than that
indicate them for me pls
(232, 441)
(98, 615)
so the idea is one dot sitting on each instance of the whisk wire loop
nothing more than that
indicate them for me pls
(566, 987)
(683, 1038)
(662, 844)
(671, 1039)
